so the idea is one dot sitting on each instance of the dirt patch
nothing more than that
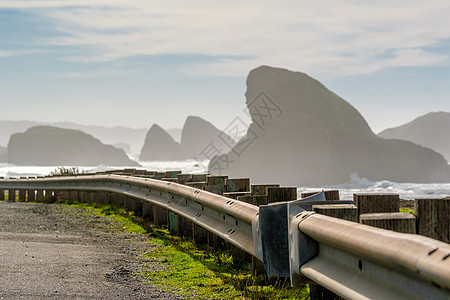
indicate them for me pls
(60, 252)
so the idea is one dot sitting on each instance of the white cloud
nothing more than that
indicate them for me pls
(321, 37)
(20, 52)
(5, 54)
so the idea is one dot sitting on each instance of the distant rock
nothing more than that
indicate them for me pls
(159, 145)
(197, 138)
(53, 146)
(107, 135)
(3, 154)
(431, 130)
(200, 138)
(302, 134)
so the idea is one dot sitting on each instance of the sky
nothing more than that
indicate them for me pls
(135, 63)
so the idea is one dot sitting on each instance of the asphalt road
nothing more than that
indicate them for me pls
(58, 252)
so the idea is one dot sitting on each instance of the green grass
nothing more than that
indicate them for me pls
(193, 271)
(197, 273)
(407, 210)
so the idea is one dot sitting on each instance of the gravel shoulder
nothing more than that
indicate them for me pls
(59, 252)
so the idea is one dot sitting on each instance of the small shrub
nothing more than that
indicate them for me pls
(70, 171)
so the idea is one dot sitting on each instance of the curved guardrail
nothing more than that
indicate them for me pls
(353, 260)
(227, 218)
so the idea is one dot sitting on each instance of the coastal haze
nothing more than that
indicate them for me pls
(301, 135)
(294, 94)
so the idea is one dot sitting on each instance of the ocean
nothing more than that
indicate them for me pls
(407, 191)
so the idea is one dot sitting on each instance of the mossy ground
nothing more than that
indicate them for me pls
(201, 274)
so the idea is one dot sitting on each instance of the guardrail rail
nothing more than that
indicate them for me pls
(354, 261)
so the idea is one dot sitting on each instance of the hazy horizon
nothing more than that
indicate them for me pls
(134, 63)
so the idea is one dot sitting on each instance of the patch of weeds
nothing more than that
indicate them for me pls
(69, 171)
(407, 210)
(183, 274)
(202, 274)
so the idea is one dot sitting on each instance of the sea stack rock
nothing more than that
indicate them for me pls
(159, 145)
(53, 146)
(303, 134)
(431, 130)
(199, 137)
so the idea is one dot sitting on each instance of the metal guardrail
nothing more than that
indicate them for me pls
(227, 218)
(353, 260)
(372, 263)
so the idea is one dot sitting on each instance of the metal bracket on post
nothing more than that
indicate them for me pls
(301, 247)
(274, 234)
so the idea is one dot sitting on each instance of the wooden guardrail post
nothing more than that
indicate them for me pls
(216, 184)
(185, 227)
(281, 194)
(31, 195)
(237, 184)
(199, 234)
(111, 199)
(216, 189)
(258, 194)
(136, 207)
(48, 194)
(376, 203)
(92, 196)
(347, 212)
(261, 189)
(433, 218)
(147, 212)
(159, 215)
(236, 187)
(64, 195)
(73, 196)
(184, 178)
(40, 195)
(330, 195)
(22, 195)
(128, 202)
(118, 200)
(102, 198)
(399, 222)
(11, 195)
(199, 177)
(83, 196)
(2, 194)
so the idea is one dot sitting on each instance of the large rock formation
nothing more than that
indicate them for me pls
(159, 145)
(303, 134)
(53, 146)
(198, 136)
(431, 130)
